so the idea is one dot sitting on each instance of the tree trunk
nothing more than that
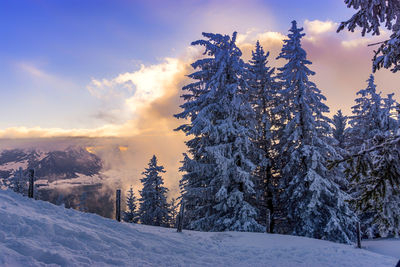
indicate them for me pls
(31, 183)
(118, 205)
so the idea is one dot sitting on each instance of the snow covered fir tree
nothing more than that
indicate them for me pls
(154, 208)
(262, 88)
(374, 170)
(314, 205)
(131, 214)
(218, 186)
(366, 120)
(339, 134)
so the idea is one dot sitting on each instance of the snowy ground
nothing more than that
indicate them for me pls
(36, 233)
(390, 247)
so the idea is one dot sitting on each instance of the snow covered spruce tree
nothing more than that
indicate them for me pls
(314, 204)
(339, 133)
(262, 85)
(369, 17)
(375, 175)
(366, 121)
(374, 164)
(154, 209)
(218, 184)
(131, 215)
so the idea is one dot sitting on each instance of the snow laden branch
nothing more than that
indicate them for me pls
(371, 15)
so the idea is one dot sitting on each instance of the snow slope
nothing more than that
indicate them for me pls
(390, 247)
(36, 233)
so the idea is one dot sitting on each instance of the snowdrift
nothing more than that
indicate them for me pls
(37, 233)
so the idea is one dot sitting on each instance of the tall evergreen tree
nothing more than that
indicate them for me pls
(339, 133)
(154, 208)
(366, 121)
(218, 185)
(131, 215)
(262, 85)
(315, 205)
(374, 167)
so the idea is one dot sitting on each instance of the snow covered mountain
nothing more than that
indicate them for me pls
(72, 177)
(37, 233)
(52, 165)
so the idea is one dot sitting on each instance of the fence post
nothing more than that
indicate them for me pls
(180, 217)
(358, 230)
(268, 222)
(31, 183)
(118, 205)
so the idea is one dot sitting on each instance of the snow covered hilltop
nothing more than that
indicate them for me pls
(37, 233)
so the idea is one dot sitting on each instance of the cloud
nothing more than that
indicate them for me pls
(133, 92)
(151, 82)
(313, 27)
(37, 75)
(33, 71)
(355, 42)
(39, 132)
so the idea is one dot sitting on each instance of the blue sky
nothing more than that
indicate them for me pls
(50, 51)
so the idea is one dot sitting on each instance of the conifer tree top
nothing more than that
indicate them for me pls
(294, 53)
(294, 42)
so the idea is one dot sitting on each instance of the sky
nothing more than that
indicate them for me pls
(101, 68)
(53, 53)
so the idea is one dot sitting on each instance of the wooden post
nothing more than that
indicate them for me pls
(31, 183)
(118, 205)
(180, 217)
(358, 230)
(268, 222)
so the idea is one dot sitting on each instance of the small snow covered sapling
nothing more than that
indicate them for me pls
(131, 215)
(154, 208)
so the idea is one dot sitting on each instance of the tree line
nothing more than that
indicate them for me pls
(261, 144)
